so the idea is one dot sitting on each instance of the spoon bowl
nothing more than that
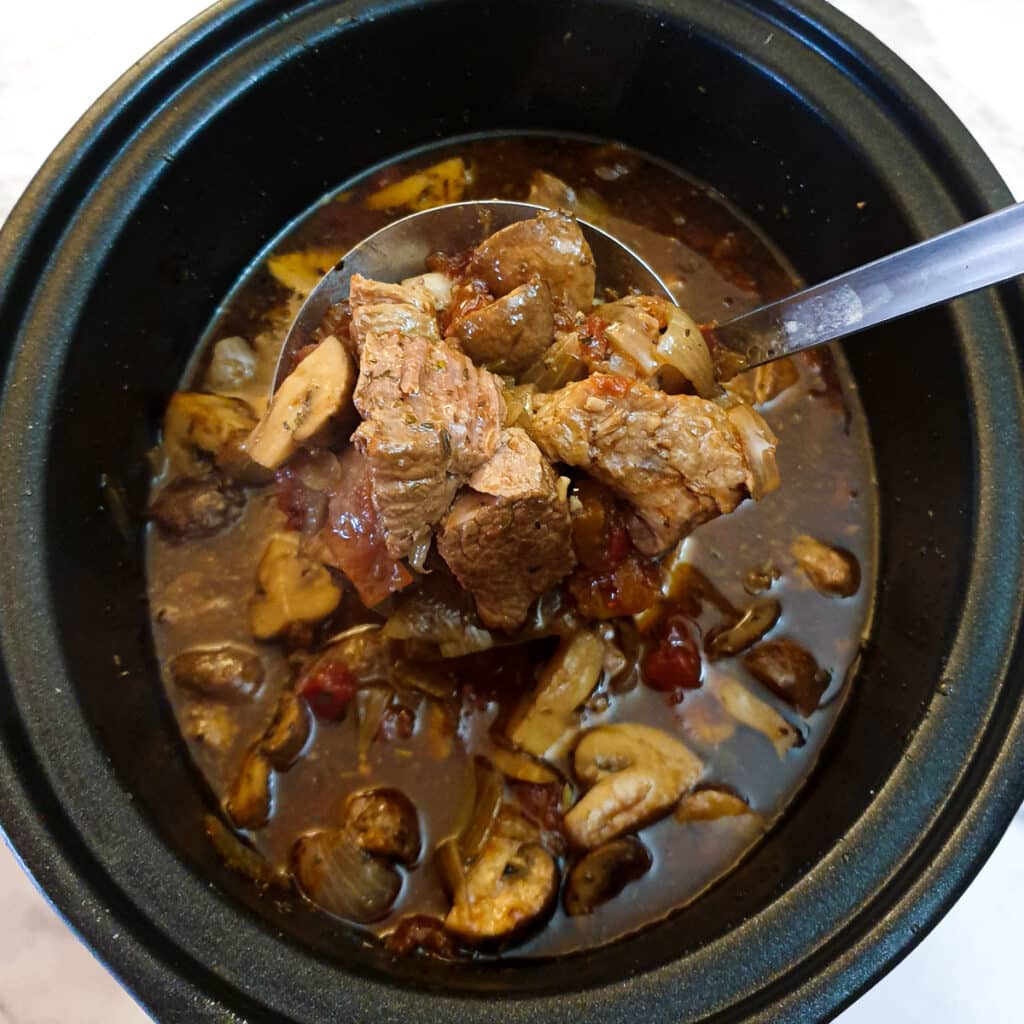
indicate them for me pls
(400, 250)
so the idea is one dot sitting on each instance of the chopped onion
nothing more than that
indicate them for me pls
(682, 347)
(437, 284)
(559, 364)
(489, 790)
(759, 443)
(519, 404)
(632, 331)
(421, 549)
(371, 703)
(338, 876)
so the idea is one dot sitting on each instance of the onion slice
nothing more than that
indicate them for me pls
(682, 347)
(759, 444)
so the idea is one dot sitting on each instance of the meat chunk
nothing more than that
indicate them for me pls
(509, 334)
(430, 418)
(550, 246)
(677, 459)
(381, 308)
(508, 539)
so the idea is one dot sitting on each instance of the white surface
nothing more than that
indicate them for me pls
(56, 57)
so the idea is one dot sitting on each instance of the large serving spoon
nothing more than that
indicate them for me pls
(975, 255)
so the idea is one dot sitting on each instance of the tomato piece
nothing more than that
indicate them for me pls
(540, 803)
(610, 385)
(589, 524)
(620, 544)
(675, 664)
(354, 538)
(329, 689)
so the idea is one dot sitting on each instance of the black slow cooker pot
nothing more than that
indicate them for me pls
(116, 259)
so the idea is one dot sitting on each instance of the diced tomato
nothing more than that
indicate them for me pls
(454, 264)
(467, 297)
(354, 538)
(540, 803)
(329, 689)
(611, 385)
(674, 665)
(620, 545)
(628, 589)
(593, 339)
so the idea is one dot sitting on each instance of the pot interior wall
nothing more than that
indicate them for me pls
(339, 105)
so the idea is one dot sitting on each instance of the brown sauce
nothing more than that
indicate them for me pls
(718, 267)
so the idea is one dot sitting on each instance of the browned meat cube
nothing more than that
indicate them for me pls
(509, 334)
(679, 460)
(380, 308)
(550, 246)
(508, 538)
(430, 418)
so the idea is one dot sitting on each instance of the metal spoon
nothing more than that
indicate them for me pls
(973, 256)
(400, 250)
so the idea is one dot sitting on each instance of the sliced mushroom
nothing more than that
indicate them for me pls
(248, 802)
(834, 572)
(509, 887)
(755, 714)
(516, 765)
(603, 873)
(709, 804)
(294, 589)
(636, 773)
(513, 824)
(384, 822)
(789, 671)
(225, 673)
(761, 578)
(752, 625)
(241, 858)
(190, 508)
(308, 398)
(420, 933)
(550, 246)
(567, 680)
(288, 733)
(335, 874)
(510, 333)
(200, 431)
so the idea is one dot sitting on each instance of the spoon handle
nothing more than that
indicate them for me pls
(978, 254)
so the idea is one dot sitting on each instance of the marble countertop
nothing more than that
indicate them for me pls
(56, 57)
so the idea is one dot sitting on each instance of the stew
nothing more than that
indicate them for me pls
(502, 625)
